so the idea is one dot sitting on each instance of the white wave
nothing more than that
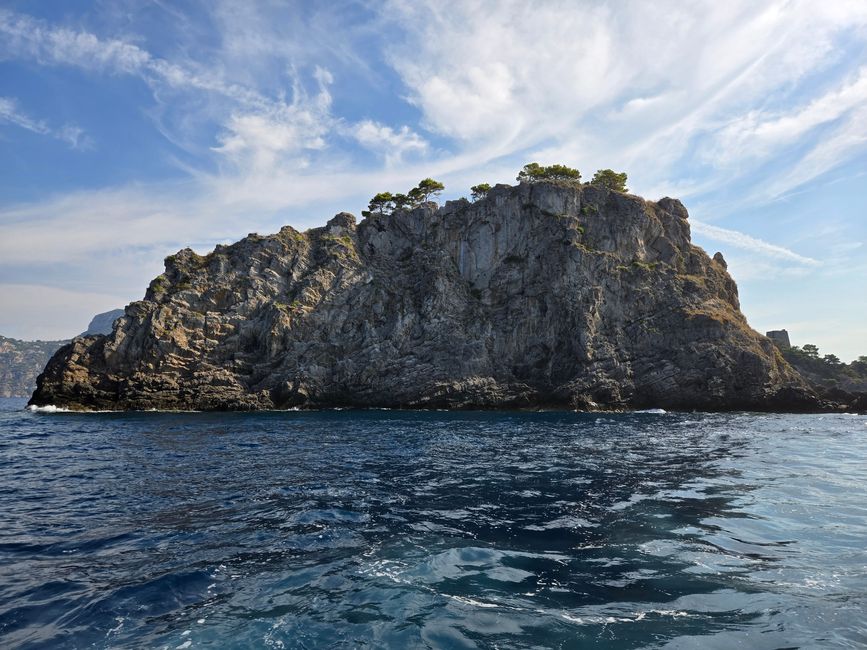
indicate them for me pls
(49, 408)
(471, 601)
(653, 411)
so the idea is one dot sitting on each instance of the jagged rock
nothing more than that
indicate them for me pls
(540, 295)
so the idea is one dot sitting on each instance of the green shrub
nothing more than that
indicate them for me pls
(610, 179)
(480, 191)
(534, 172)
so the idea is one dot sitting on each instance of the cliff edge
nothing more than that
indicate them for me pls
(539, 295)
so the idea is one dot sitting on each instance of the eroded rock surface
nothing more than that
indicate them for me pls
(540, 295)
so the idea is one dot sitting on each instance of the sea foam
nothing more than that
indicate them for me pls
(49, 408)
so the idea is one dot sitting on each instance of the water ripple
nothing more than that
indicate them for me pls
(454, 530)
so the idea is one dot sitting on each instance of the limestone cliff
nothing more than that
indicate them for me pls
(540, 295)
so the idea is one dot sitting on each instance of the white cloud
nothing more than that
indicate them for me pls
(583, 84)
(393, 145)
(259, 140)
(502, 70)
(10, 113)
(758, 133)
(842, 143)
(25, 36)
(749, 243)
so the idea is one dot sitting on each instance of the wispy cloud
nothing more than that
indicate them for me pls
(70, 134)
(753, 244)
(758, 133)
(26, 37)
(842, 143)
(392, 144)
(258, 140)
(621, 95)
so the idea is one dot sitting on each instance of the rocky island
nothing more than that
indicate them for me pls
(542, 295)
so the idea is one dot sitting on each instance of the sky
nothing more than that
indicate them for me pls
(131, 129)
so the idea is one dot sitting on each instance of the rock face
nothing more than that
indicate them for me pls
(539, 295)
(20, 364)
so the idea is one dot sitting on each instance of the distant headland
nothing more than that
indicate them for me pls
(22, 361)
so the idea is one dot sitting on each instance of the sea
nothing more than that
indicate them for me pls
(398, 529)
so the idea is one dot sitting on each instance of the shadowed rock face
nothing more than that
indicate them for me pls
(540, 295)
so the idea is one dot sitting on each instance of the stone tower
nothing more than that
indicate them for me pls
(780, 338)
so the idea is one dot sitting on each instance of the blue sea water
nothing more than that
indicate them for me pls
(376, 529)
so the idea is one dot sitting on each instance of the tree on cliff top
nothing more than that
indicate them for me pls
(402, 201)
(426, 189)
(610, 179)
(534, 172)
(383, 203)
(480, 191)
(531, 172)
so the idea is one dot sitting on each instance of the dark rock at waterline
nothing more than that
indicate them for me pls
(539, 296)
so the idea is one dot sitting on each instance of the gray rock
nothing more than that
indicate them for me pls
(540, 295)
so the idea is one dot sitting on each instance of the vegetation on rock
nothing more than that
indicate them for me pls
(385, 203)
(610, 179)
(382, 203)
(426, 189)
(534, 172)
(827, 371)
(480, 191)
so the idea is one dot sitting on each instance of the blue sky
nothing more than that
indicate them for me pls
(131, 129)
